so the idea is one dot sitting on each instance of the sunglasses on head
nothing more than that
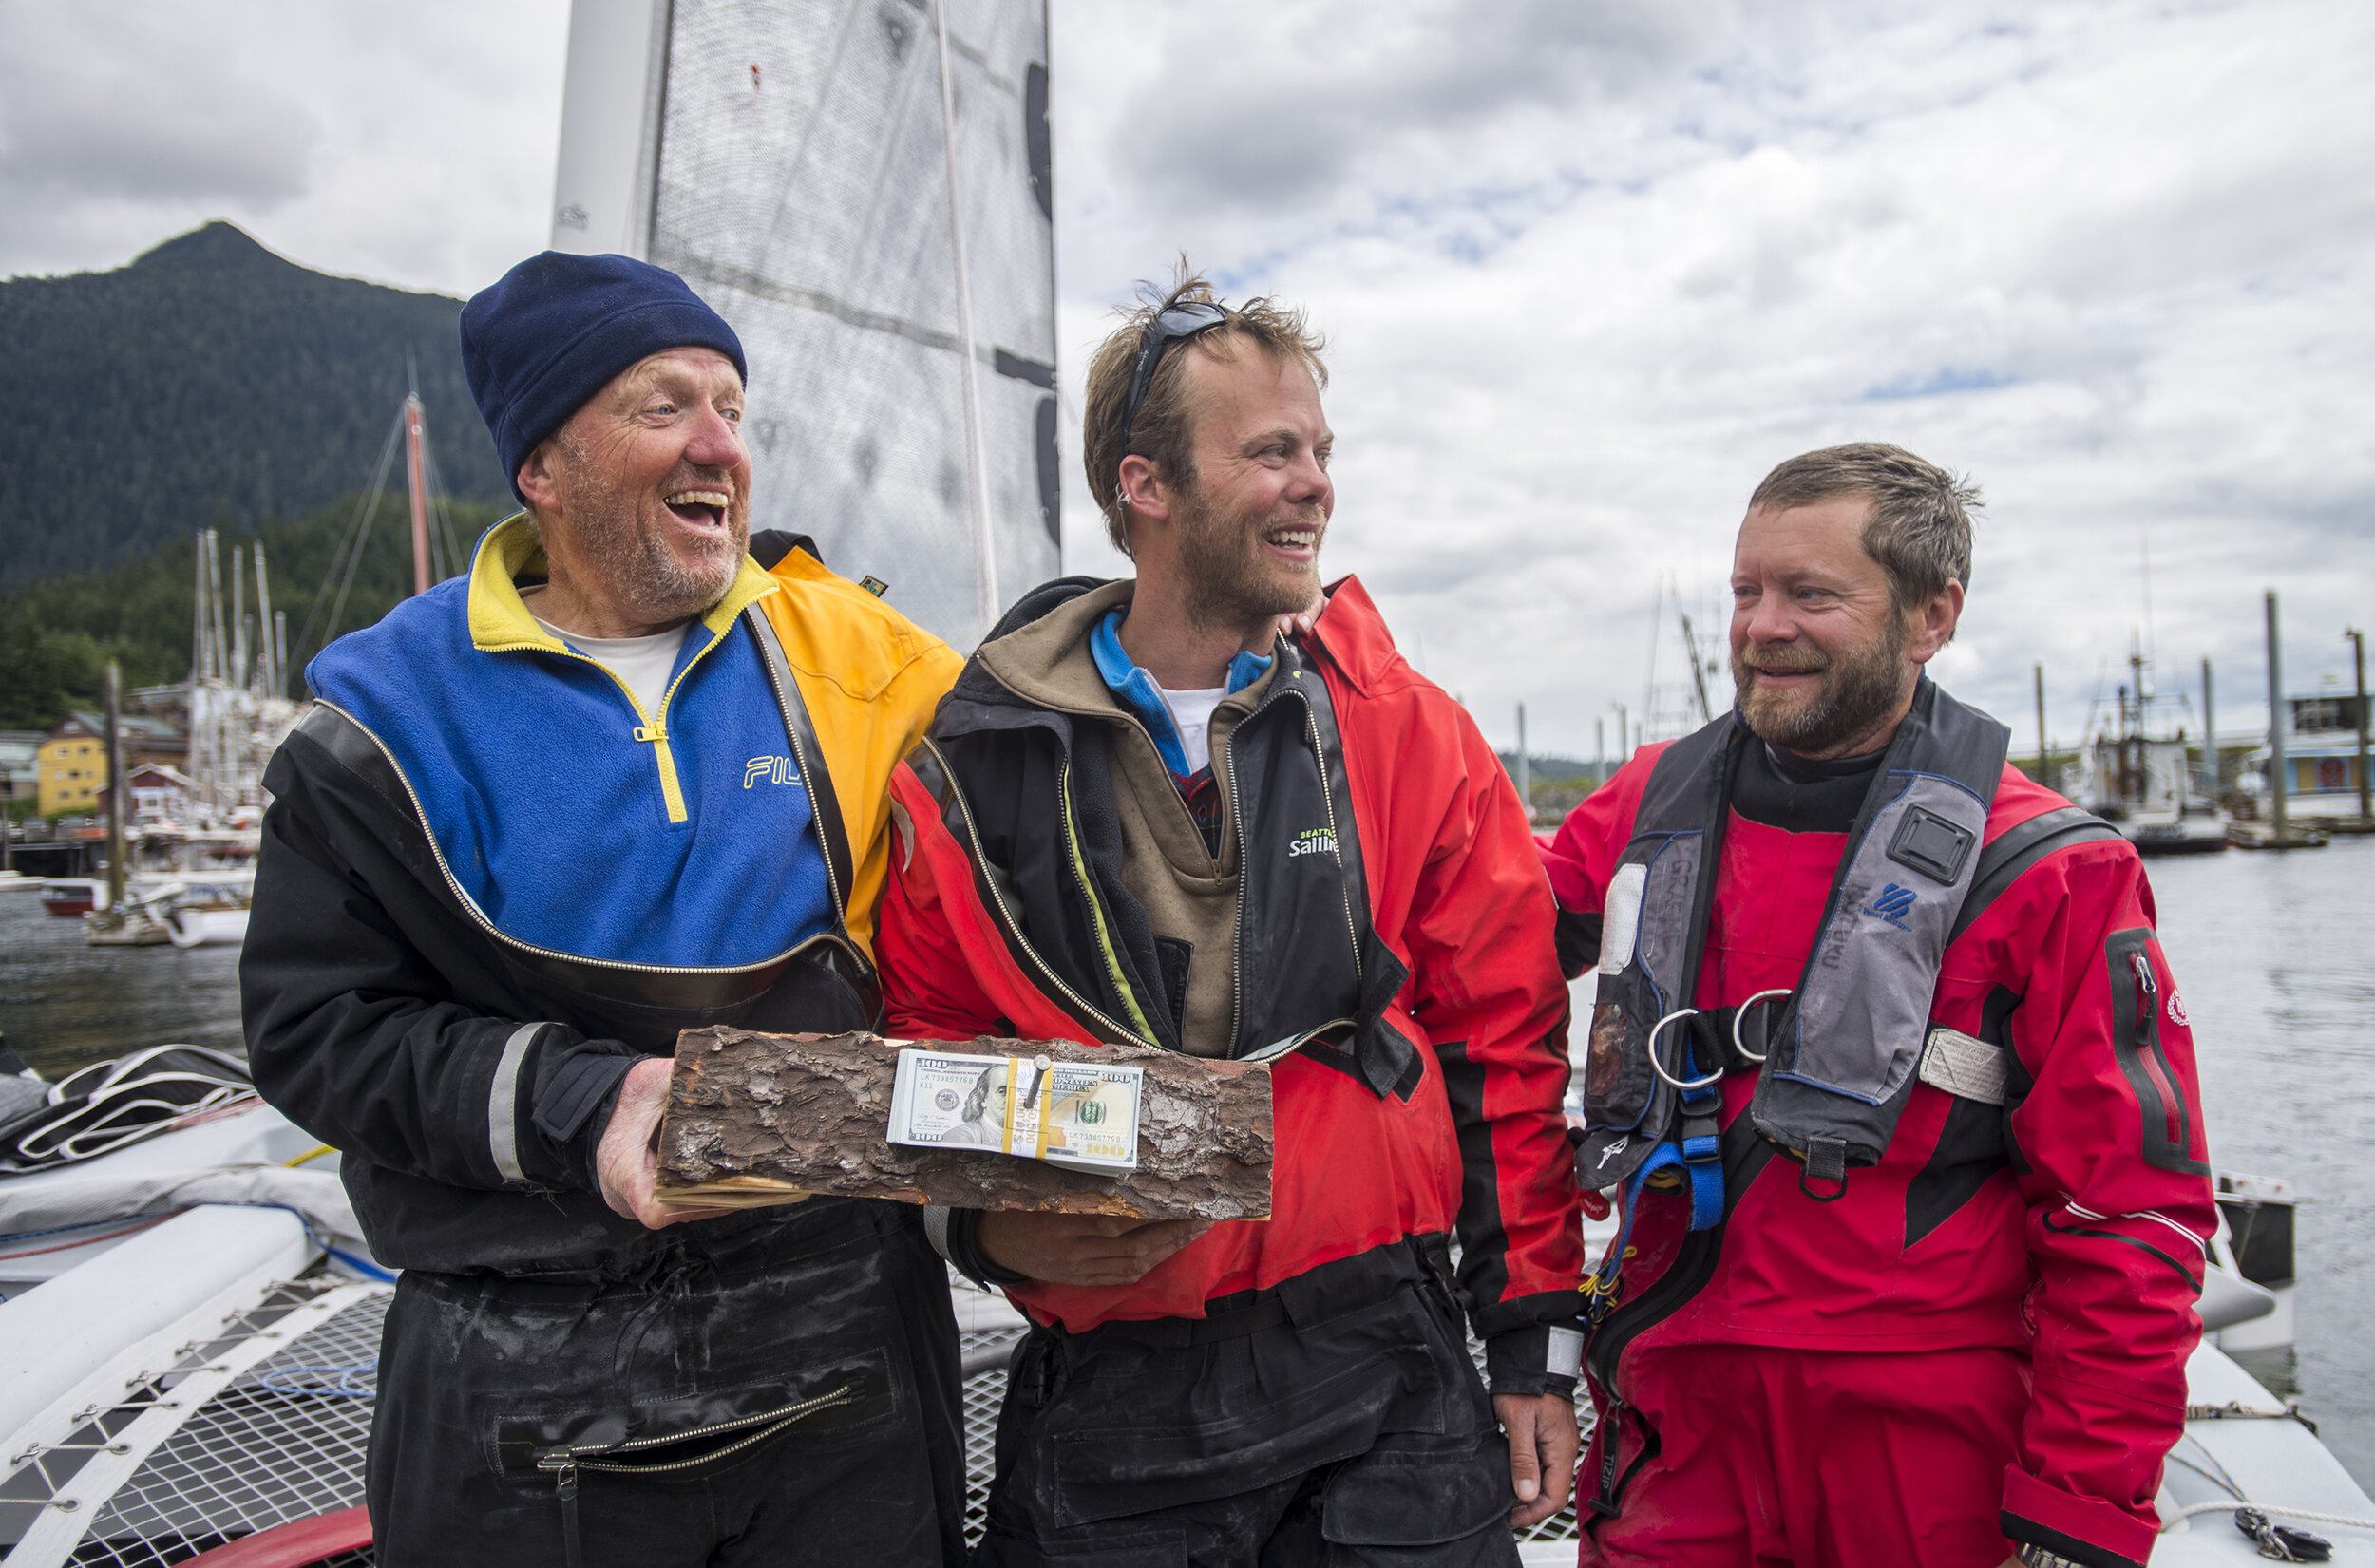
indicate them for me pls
(1180, 321)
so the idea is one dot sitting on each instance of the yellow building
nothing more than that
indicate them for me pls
(73, 760)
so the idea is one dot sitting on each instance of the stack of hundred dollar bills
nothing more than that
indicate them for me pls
(1080, 1115)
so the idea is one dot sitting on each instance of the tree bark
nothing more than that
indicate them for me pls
(754, 1112)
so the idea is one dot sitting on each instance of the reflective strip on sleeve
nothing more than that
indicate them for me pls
(502, 1104)
(1566, 1352)
(1964, 1066)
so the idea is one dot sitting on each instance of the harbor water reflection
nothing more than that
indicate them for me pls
(2272, 951)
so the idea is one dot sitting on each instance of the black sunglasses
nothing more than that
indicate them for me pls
(1180, 321)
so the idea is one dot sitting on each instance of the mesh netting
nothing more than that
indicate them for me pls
(985, 1392)
(281, 1441)
(285, 1440)
(803, 190)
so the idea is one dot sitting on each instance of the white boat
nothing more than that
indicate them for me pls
(188, 1345)
(72, 898)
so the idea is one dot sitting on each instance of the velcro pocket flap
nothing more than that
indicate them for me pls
(1419, 1492)
(1107, 1471)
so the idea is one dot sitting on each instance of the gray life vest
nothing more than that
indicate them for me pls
(1841, 1050)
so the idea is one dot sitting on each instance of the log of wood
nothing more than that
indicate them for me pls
(748, 1113)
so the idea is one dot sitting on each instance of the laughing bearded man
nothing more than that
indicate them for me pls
(1145, 816)
(623, 779)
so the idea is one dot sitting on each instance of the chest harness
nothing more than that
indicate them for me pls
(1836, 1056)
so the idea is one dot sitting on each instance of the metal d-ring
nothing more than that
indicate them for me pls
(1746, 1054)
(1659, 1067)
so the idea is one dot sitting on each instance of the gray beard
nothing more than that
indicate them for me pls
(638, 568)
(1858, 693)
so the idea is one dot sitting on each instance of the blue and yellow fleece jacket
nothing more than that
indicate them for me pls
(490, 883)
(573, 820)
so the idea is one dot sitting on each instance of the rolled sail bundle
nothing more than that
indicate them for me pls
(757, 1119)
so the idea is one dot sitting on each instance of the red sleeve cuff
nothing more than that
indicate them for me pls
(2083, 1529)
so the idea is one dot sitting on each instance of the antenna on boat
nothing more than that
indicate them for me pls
(415, 478)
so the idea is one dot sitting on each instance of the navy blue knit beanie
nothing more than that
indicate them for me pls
(556, 328)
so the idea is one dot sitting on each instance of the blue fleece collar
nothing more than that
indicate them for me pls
(1138, 692)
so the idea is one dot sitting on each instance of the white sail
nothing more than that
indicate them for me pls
(791, 159)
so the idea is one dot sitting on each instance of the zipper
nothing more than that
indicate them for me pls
(832, 883)
(656, 735)
(1294, 1042)
(453, 885)
(1097, 910)
(1327, 798)
(1745, 1156)
(566, 1461)
(2154, 1062)
(1279, 691)
(1014, 926)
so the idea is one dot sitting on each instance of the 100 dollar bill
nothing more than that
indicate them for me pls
(1080, 1115)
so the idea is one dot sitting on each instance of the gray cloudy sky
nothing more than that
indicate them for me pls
(1590, 271)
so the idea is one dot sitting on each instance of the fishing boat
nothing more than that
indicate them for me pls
(72, 898)
(2138, 773)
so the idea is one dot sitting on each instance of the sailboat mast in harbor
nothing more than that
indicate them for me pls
(866, 194)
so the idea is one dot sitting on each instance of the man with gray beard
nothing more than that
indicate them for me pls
(1890, 1080)
(1151, 813)
(620, 780)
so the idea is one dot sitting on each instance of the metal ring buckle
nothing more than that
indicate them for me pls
(1746, 1054)
(1659, 1067)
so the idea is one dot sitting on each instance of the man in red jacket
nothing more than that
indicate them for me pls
(1145, 815)
(1893, 1083)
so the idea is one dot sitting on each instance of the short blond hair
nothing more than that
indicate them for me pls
(1920, 527)
(1164, 432)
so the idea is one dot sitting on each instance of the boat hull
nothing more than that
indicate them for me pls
(70, 897)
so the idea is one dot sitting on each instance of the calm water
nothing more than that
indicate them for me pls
(2272, 953)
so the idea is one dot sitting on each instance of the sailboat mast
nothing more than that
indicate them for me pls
(985, 574)
(415, 477)
(269, 670)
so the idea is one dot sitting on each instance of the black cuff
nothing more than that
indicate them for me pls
(574, 1109)
(1518, 1363)
(1578, 940)
(965, 1253)
(2028, 1532)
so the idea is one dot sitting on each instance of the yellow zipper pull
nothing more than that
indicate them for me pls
(653, 732)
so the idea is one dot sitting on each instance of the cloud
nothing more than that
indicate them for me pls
(117, 118)
(2111, 258)
(411, 145)
(1590, 270)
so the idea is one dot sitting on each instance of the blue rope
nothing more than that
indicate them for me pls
(337, 1381)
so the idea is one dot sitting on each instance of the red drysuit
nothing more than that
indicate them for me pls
(2038, 1262)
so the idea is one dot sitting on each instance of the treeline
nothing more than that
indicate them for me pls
(211, 377)
(57, 637)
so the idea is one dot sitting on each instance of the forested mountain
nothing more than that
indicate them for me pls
(56, 636)
(210, 379)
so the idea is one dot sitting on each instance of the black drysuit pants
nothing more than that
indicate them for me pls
(1334, 1420)
(791, 1400)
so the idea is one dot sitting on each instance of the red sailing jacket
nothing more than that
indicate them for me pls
(2071, 1226)
(1456, 891)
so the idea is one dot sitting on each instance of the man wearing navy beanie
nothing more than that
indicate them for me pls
(620, 780)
